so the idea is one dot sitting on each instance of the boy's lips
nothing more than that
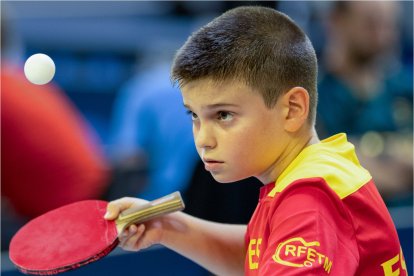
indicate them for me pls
(211, 164)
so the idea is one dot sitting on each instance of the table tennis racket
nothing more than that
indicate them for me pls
(77, 234)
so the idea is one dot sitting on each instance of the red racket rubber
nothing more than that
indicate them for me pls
(64, 239)
(77, 234)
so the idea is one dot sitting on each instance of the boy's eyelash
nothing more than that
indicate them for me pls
(191, 114)
(218, 114)
(224, 112)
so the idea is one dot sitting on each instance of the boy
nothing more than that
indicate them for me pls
(248, 79)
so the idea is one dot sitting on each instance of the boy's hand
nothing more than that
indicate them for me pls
(135, 238)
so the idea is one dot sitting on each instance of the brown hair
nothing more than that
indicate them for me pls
(257, 45)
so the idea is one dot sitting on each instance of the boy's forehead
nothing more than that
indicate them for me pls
(211, 92)
(209, 83)
(217, 88)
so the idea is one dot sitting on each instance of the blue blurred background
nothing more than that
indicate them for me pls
(103, 50)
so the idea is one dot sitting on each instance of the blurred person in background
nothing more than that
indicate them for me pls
(49, 155)
(366, 91)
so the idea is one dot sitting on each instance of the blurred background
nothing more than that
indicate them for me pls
(112, 122)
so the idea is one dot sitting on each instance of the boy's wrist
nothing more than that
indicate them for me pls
(171, 224)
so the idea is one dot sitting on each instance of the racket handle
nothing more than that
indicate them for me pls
(158, 207)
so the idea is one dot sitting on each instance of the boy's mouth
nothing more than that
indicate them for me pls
(208, 160)
(212, 165)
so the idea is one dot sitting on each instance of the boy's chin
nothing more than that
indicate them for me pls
(225, 178)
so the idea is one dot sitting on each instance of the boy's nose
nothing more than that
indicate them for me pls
(204, 137)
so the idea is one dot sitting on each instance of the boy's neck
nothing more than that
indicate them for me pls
(291, 151)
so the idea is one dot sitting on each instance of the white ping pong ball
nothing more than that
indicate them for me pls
(39, 69)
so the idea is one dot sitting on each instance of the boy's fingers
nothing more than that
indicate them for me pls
(129, 239)
(115, 207)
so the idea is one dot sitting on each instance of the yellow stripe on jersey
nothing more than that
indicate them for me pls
(334, 160)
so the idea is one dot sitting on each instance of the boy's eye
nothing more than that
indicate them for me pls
(225, 116)
(193, 115)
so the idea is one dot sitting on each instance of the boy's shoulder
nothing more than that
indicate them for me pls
(332, 161)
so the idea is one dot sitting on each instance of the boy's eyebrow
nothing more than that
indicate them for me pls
(215, 106)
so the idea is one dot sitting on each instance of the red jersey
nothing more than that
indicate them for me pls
(323, 216)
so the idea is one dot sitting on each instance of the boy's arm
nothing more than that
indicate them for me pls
(217, 247)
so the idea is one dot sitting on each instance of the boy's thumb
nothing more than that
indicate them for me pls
(110, 212)
(108, 215)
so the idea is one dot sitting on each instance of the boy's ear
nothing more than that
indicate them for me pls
(296, 106)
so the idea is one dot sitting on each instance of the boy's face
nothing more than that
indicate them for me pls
(235, 134)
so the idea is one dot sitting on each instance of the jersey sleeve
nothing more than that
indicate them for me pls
(310, 234)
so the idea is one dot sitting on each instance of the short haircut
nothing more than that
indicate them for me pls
(257, 45)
